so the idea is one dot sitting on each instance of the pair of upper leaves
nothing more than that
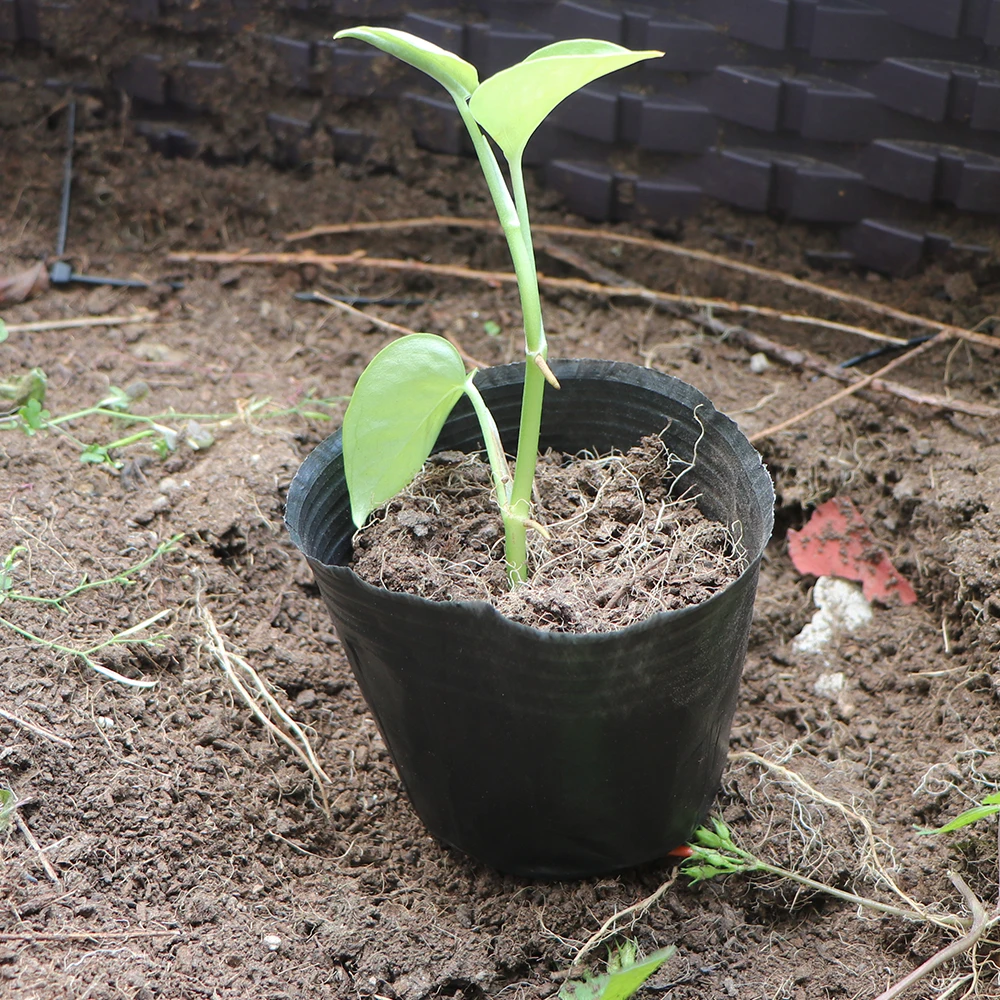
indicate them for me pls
(405, 395)
(511, 104)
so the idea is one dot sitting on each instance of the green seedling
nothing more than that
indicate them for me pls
(129, 637)
(137, 635)
(990, 806)
(625, 974)
(714, 853)
(22, 400)
(21, 390)
(7, 569)
(156, 430)
(8, 803)
(123, 578)
(407, 391)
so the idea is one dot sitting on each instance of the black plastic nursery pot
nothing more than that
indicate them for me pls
(546, 754)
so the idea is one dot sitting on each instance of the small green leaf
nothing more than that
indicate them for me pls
(116, 399)
(33, 416)
(198, 438)
(397, 411)
(969, 816)
(7, 567)
(456, 75)
(511, 104)
(95, 454)
(3, 331)
(491, 328)
(618, 985)
(8, 803)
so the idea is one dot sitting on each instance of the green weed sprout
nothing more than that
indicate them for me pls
(407, 391)
(626, 973)
(990, 806)
(8, 803)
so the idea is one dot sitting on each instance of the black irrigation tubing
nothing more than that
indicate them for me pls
(67, 179)
(864, 116)
(879, 352)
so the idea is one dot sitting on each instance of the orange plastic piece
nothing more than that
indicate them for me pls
(836, 541)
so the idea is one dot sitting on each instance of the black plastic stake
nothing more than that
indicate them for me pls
(67, 179)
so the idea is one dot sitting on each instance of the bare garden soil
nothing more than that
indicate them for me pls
(179, 850)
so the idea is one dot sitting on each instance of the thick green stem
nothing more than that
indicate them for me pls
(513, 215)
(515, 534)
(534, 380)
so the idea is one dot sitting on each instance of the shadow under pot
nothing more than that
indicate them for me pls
(546, 754)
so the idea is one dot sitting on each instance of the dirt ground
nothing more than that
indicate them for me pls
(179, 850)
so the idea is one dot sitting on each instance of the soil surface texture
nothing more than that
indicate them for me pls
(623, 539)
(168, 844)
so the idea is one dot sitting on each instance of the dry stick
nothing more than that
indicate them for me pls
(331, 263)
(36, 847)
(846, 298)
(953, 950)
(797, 358)
(868, 380)
(232, 665)
(72, 324)
(35, 729)
(86, 936)
(395, 327)
(610, 926)
(874, 380)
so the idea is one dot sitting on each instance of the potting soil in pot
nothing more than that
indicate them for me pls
(627, 540)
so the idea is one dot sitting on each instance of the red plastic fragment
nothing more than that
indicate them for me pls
(837, 542)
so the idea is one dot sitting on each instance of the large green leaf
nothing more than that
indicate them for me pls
(456, 75)
(398, 408)
(511, 104)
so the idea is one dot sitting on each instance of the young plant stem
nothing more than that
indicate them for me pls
(513, 216)
(86, 655)
(123, 578)
(850, 897)
(515, 535)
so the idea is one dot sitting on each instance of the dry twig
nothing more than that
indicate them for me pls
(953, 950)
(81, 321)
(795, 357)
(395, 327)
(35, 846)
(263, 704)
(332, 262)
(661, 246)
(612, 925)
(850, 390)
(38, 730)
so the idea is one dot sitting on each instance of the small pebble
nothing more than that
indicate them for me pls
(829, 685)
(272, 942)
(759, 363)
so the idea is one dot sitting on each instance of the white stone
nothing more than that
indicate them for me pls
(843, 608)
(830, 685)
(272, 942)
(759, 363)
